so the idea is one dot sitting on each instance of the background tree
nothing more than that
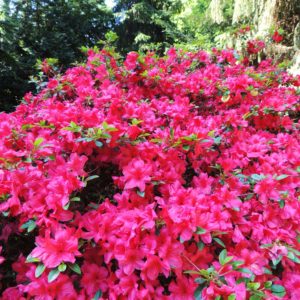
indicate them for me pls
(35, 29)
(146, 24)
(194, 21)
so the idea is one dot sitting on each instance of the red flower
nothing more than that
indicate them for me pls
(255, 46)
(277, 38)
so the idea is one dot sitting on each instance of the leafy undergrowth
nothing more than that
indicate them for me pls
(171, 177)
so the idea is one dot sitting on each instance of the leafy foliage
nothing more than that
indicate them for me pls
(40, 29)
(146, 24)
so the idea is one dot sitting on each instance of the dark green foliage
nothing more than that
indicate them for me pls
(147, 24)
(35, 29)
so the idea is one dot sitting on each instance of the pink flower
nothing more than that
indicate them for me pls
(137, 174)
(1, 257)
(152, 267)
(131, 60)
(170, 252)
(291, 280)
(60, 289)
(182, 289)
(94, 278)
(129, 259)
(63, 247)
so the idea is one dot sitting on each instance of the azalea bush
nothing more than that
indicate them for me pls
(171, 177)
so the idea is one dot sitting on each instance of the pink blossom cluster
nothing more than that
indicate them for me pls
(172, 177)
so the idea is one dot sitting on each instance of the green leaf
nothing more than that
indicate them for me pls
(283, 176)
(191, 272)
(105, 125)
(135, 121)
(53, 275)
(263, 246)
(231, 297)
(75, 199)
(253, 285)
(294, 250)
(257, 177)
(217, 140)
(38, 142)
(191, 137)
(228, 259)
(29, 225)
(267, 271)
(248, 197)
(200, 280)
(237, 263)
(211, 133)
(200, 245)
(140, 193)
(66, 207)
(75, 268)
(293, 257)
(82, 139)
(245, 270)
(31, 259)
(205, 141)
(172, 133)
(39, 270)
(156, 140)
(205, 273)
(99, 144)
(256, 297)
(198, 292)
(277, 260)
(73, 127)
(98, 295)
(268, 284)
(91, 177)
(222, 257)
(200, 230)
(281, 203)
(219, 241)
(62, 267)
(278, 290)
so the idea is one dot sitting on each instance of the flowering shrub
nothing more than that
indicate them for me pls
(255, 46)
(277, 36)
(156, 178)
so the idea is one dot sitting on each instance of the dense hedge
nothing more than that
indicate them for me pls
(169, 177)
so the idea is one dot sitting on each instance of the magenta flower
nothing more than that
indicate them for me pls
(63, 247)
(137, 174)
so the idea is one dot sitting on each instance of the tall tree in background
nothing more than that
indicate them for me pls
(144, 24)
(32, 29)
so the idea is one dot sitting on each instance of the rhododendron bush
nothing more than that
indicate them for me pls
(171, 177)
